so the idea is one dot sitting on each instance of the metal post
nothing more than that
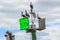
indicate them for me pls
(33, 35)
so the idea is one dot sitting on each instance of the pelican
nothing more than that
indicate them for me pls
(34, 15)
(23, 14)
(38, 16)
(31, 5)
(27, 13)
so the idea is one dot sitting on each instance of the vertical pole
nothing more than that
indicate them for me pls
(33, 32)
(33, 35)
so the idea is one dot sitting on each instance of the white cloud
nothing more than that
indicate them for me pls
(3, 38)
(8, 22)
(50, 33)
(1, 6)
(22, 36)
(10, 1)
(51, 0)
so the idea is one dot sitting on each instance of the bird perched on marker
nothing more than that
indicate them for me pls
(23, 14)
(31, 5)
(9, 33)
(26, 13)
(38, 16)
(34, 15)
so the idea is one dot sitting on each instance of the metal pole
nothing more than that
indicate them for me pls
(33, 35)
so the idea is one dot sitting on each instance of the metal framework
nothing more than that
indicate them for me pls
(9, 36)
(33, 29)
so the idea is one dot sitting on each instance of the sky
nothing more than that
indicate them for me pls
(10, 13)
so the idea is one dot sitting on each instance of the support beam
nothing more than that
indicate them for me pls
(33, 35)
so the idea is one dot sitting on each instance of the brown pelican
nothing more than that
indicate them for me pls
(34, 15)
(31, 5)
(38, 16)
(27, 13)
(23, 14)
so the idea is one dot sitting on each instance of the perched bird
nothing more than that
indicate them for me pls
(31, 5)
(9, 33)
(23, 14)
(26, 13)
(38, 16)
(34, 15)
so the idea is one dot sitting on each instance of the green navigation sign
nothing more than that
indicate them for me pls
(24, 23)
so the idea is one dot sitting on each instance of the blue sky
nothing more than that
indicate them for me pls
(10, 13)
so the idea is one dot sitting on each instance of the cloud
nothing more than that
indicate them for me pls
(8, 22)
(50, 33)
(1, 6)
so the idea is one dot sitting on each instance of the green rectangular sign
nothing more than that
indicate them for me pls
(24, 23)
